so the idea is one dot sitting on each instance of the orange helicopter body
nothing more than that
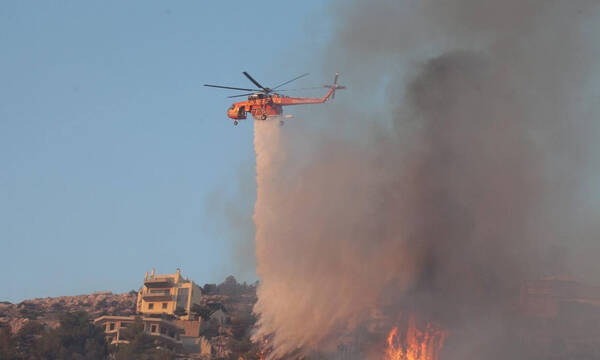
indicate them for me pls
(263, 106)
(266, 103)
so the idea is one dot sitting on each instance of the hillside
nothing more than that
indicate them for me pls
(47, 310)
(27, 328)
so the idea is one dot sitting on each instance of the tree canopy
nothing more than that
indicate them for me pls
(75, 338)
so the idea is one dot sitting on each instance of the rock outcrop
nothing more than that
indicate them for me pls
(47, 310)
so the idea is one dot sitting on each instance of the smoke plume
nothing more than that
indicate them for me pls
(479, 164)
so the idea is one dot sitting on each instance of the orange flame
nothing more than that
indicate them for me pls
(417, 344)
(263, 349)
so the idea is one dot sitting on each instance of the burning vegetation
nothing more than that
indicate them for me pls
(415, 344)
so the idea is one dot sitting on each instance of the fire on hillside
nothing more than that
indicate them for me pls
(414, 343)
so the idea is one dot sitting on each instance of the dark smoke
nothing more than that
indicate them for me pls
(479, 164)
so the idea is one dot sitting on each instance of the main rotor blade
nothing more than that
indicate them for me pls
(234, 96)
(255, 82)
(308, 88)
(252, 93)
(289, 81)
(231, 88)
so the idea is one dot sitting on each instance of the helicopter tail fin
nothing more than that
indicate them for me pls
(335, 85)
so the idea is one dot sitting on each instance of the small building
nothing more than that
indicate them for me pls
(165, 333)
(168, 294)
(191, 327)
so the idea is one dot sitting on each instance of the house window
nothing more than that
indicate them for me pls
(111, 327)
(153, 328)
(164, 305)
(150, 306)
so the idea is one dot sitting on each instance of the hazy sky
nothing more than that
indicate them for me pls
(111, 149)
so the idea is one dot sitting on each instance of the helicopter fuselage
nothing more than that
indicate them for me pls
(262, 106)
(264, 102)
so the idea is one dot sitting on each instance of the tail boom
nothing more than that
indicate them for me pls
(330, 94)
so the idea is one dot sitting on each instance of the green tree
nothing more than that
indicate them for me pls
(229, 287)
(210, 329)
(203, 311)
(8, 350)
(26, 338)
(243, 348)
(76, 338)
(241, 324)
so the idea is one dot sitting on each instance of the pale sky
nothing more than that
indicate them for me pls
(110, 147)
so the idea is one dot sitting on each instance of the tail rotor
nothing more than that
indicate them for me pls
(335, 85)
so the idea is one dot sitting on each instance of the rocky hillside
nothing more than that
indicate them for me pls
(47, 310)
(34, 327)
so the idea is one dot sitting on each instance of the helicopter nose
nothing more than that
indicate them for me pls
(232, 114)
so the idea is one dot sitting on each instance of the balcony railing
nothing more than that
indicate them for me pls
(158, 282)
(158, 296)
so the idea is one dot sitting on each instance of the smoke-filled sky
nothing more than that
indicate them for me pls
(461, 160)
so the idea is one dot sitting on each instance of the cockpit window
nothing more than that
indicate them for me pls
(232, 107)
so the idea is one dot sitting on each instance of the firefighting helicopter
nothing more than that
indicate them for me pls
(264, 103)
